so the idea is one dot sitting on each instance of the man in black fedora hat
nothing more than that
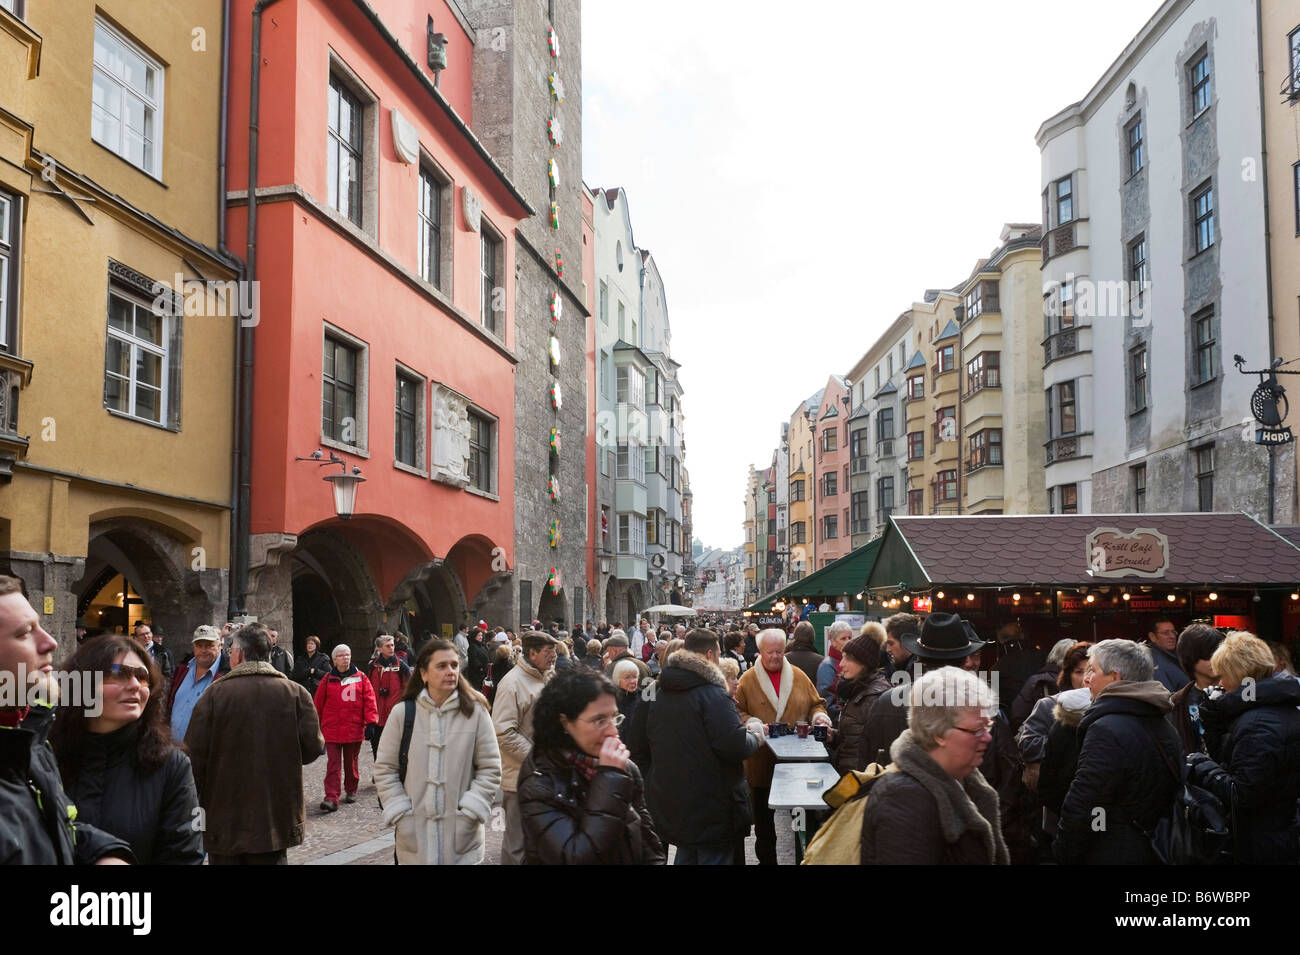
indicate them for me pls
(943, 640)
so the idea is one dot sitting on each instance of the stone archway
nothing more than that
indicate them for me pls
(429, 596)
(157, 563)
(333, 594)
(635, 604)
(552, 606)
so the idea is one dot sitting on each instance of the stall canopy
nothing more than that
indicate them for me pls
(848, 575)
(1173, 550)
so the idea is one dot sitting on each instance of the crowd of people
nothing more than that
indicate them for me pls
(630, 746)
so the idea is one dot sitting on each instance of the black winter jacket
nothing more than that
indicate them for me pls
(154, 813)
(39, 824)
(857, 697)
(697, 790)
(309, 671)
(1168, 673)
(1258, 764)
(886, 721)
(569, 821)
(1119, 773)
(1039, 685)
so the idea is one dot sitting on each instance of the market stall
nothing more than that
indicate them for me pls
(1091, 576)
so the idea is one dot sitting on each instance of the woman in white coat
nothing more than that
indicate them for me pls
(453, 765)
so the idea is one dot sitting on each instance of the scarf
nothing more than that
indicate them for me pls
(583, 763)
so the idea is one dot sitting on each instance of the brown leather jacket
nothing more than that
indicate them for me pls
(251, 733)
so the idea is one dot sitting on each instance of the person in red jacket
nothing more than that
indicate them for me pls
(345, 703)
(389, 674)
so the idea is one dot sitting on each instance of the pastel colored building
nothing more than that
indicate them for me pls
(384, 243)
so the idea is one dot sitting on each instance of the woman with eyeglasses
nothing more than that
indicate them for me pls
(581, 799)
(933, 807)
(119, 763)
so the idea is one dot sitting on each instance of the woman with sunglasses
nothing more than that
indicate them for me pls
(119, 763)
(581, 799)
(933, 807)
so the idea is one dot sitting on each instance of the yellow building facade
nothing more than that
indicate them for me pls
(120, 315)
(799, 447)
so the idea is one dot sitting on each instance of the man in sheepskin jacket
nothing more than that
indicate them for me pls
(772, 691)
(697, 791)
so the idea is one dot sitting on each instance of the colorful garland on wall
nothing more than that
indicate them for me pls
(557, 306)
(555, 534)
(554, 582)
(555, 134)
(553, 488)
(555, 440)
(559, 263)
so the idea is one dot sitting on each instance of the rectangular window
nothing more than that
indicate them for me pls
(798, 533)
(1293, 43)
(137, 365)
(1069, 498)
(885, 425)
(1204, 366)
(9, 266)
(830, 484)
(945, 486)
(630, 463)
(344, 151)
(830, 527)
(1136, 146)
(652, 459)
(915, 387)
(858, 448)
(622, 324)
(1203, 218)
(1138, 269)
(1065, 401)
(915, 445)
(1065, 200)
(491, 297)
(126, 111)
(604, 304)
(884, 496)
(860, 502)
(889, 361)
(946, 360)
(1200, 79)
(1295, 177)
(1140, 489)
(985, 449)
(878, 367)
(630, 387)
(604, 374)
(830, 439)
(1205, 478)
(631, 534)
(1137, 360)
(945, 426)
(796, 491)
(406, 406)
(430, 229)
(975, 301)
(916, 502)
(339, 392)
(654, 527)
(984, 371)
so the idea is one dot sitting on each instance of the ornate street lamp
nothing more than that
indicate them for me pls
(343, 484)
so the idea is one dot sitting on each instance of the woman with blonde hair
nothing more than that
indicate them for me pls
(438, 794)
(1253, 731)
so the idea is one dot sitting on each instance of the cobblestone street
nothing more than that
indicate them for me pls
(355, 836)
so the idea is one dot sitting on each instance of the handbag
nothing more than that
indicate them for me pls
(1194, 830)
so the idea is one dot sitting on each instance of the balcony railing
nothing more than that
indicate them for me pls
(885, 448)
(1060, 345)
(1062, 449)
(859, 464)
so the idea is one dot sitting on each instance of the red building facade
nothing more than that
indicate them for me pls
(383, 244)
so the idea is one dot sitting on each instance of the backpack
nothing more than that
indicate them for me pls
(408, 727)
(839, 840)
(1194, 830)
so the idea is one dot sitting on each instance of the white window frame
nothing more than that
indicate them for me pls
(135, 345)
(8, 231)
(489, 235)
(430, 170)
(628, 390)
(112, 40)
(631, 534)
(630, 463)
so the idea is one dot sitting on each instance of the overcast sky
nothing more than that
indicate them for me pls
(802, 181)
